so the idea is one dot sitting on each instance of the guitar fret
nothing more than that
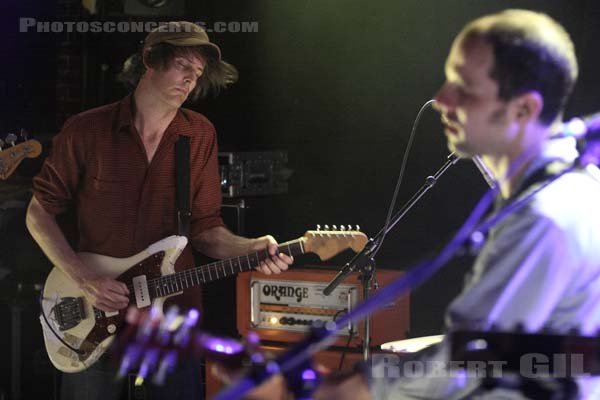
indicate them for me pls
(187, 285)
(249, 265)
(217, 270)
(231, 266)
(203, 277)
(210, 277)
(195, 272)
(223, 269)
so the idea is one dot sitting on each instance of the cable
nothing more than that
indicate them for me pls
(402, 170)
(350, 335)
(346, 347)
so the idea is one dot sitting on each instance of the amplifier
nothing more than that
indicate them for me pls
(253, 173)
(291, 305)
(282, 307)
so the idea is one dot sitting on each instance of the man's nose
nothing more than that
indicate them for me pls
(442, 99)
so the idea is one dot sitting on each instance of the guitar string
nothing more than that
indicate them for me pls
(191, 273)
(194, 272)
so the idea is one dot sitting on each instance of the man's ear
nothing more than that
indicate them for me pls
(529, 106)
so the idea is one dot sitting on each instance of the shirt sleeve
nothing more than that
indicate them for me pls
(56, 184)
(206, 186)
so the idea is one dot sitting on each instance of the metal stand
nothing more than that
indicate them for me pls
(367, 278)
(364, 261)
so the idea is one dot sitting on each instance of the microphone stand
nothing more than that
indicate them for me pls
(293, 360)
(364, 261)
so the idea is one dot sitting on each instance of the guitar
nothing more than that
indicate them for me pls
(11, 157)
(153, 345)
(76, 333)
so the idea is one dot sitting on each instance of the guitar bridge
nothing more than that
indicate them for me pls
(69, 312)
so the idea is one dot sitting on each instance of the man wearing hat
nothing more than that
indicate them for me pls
(116, 165)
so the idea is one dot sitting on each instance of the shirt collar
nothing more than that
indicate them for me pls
(555, 156)
(126, 109)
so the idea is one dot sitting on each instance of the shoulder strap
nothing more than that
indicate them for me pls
(182, 185)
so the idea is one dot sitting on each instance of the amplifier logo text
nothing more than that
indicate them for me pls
(279, 291)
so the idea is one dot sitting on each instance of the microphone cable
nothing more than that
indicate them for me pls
(401, 173)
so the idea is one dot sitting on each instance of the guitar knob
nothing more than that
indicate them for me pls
(111, 328)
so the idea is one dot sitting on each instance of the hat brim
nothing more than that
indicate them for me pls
(212, 49)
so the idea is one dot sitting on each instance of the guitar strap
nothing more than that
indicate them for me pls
(182, 184)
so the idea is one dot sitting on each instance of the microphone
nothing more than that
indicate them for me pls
(579, 127)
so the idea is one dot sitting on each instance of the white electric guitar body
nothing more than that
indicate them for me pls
(89, 329)
(76, 333)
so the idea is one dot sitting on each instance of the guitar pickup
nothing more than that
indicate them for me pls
(69, 312)
(140, 288)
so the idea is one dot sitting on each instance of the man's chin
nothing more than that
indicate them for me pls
(460, 149)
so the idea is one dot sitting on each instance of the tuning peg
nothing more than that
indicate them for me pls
(358, 227)
(148, 363)
(166, 365)
(11, 138)
(318, 227)
(131, 357)
(326, 227)
(335, 227)
(24, 134)
(1, 144)
(342, 228)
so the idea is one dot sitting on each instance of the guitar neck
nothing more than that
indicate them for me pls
(191, 277)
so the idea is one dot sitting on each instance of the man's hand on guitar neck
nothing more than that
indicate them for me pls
(220, 243)
(105, 293)
(278, 262)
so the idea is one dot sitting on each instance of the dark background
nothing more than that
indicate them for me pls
(335, 83)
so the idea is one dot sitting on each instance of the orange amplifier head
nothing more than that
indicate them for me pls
(281, 307)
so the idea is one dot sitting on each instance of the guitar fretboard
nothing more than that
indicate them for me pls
(188, 278)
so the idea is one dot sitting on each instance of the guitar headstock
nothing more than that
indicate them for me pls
(327, 243)
(153, 344)
(11, 153)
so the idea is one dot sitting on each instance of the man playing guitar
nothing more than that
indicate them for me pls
(116, 165)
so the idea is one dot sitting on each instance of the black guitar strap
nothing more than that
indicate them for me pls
(182, 185)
